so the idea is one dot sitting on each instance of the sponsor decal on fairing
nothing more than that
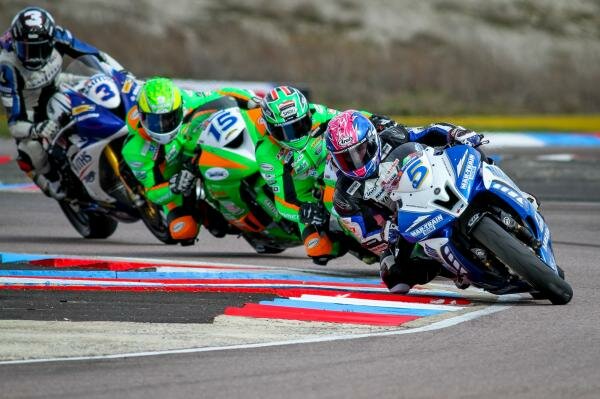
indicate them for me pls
(217, 174)
(427, 227)
(469, 172)
(267, 167)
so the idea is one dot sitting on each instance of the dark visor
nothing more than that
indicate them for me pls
(291, 131)
(162, 123)
(34, 54)
(355, 157)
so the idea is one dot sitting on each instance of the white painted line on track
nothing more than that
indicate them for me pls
(431, 327)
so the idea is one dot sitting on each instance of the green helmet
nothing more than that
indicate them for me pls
(287, 116)
(161, 109)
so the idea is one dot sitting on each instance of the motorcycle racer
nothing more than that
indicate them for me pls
(293, 160)
(360, 198)
(161, 144)
(31, 55)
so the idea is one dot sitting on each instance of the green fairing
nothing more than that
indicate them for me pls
(141, 154)
(231, 181)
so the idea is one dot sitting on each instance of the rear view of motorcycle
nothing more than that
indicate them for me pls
(101, 191)
(472, 218)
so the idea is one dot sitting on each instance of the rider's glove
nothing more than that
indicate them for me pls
(46, 129)
(182, 182)
(382, 122)
(313, 213)
(460, 135)
(390, 232)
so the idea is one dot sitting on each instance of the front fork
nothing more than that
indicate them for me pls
(114, 163)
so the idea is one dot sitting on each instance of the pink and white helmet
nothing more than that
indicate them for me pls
(354, 144)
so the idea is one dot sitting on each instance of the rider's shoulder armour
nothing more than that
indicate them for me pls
(347, 196)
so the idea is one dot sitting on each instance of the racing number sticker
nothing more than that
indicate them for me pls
(417, 173)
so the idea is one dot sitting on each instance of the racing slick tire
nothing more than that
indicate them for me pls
(523, 261)
(88, 224)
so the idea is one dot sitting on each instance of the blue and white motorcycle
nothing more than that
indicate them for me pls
(100, 188)
(472, 218)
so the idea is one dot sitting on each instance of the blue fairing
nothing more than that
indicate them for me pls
(515, 199)
(466, 162)
(94, 123)
(418, 226)
(467, 165)
(129, 88)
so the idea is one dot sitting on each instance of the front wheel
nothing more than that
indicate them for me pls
(155, 221)
(88, 224)
(522, 261)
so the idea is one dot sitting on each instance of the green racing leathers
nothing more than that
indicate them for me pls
(299, 180)
(154, 164)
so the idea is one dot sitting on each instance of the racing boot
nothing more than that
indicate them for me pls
(52, 188)
(389, 274)
(401, 275)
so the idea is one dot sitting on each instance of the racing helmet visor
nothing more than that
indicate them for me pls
(162, 123)
(291, 131)
(34, 54)
(353, 158)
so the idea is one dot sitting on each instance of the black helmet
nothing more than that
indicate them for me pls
(32, 32)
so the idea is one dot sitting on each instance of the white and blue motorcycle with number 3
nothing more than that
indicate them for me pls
(472, 218)
(101, 190)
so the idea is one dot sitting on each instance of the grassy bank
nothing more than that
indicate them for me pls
(546, 123)
(3, 128)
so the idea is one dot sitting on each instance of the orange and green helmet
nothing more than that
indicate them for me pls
(287, 116)
(161, 109)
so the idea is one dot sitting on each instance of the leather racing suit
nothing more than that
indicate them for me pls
(154, 164)
(25, 94)
(370, 214)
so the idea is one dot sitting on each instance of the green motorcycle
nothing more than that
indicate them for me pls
(231, 182)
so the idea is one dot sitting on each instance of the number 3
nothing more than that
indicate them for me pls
(105, 90)
(34, 18)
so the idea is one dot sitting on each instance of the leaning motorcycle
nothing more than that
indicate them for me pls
(101, 190)
(232, 184)
(471, 217)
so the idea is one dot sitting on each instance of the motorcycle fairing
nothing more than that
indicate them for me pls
(496, 182)
(465, 163)
(94, 123)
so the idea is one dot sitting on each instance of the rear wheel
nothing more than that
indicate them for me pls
(88, 224)
(522, 261)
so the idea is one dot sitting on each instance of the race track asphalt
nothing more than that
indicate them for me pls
(530, 350)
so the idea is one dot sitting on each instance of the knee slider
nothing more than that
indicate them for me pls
(318, 244)
(31, 155)
(182, 225)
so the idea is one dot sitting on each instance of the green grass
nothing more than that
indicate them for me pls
(3, 128)
(556, 123)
